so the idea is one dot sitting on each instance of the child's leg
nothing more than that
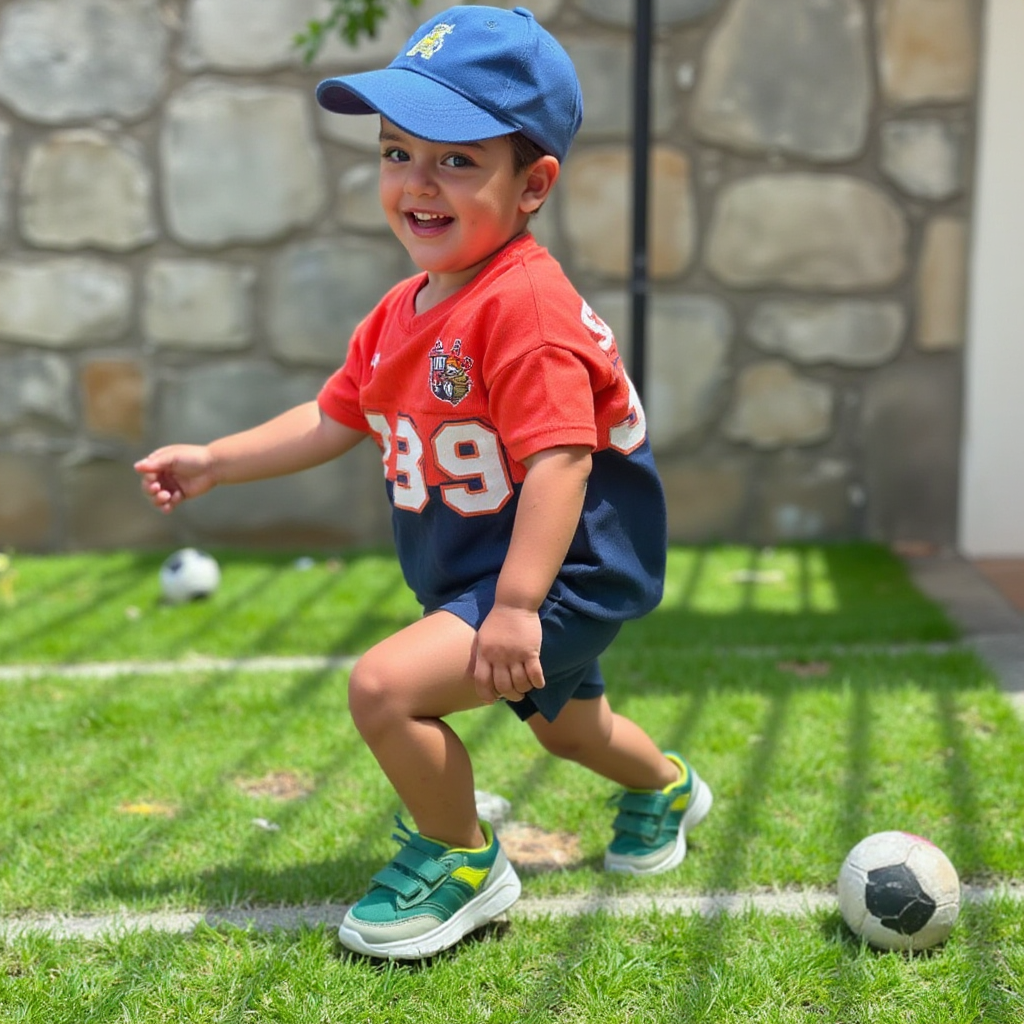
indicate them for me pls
(398, 692)
(451, 877)
(663, 796)
(590, 733)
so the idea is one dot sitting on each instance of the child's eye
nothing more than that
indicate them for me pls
(394, 155)
(457, 160)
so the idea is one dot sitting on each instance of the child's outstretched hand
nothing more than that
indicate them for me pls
(172, 474)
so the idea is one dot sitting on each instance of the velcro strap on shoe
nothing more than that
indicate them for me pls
(643, 826)
(421, 864)
(405, 885)
(642, 814)
(655, 804)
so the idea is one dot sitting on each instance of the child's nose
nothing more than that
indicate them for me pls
(419, 180)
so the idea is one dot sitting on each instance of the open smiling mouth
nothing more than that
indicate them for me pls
(428, 221)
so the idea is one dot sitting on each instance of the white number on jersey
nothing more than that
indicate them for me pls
(468, 453)
(628, 434)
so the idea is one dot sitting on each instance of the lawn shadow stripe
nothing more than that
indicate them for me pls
(858, 763)
(92, 707)
(114, 583)
(112, 880)
(240, 879)
(106, 770)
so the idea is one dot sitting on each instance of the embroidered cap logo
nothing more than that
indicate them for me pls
(431, 42)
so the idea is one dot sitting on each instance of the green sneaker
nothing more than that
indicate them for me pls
(429, 897)
(651, 826)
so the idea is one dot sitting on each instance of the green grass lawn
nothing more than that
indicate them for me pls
(97, 607)
(153, 791)
(650, 968)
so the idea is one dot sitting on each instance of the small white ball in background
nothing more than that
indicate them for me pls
(899, 891)
(189, 574)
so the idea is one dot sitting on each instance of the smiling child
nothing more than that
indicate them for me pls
(528, 515)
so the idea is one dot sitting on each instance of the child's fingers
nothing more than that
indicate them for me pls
(150, 464)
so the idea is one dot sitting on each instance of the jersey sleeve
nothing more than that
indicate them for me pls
(544, 400)
(339, 397)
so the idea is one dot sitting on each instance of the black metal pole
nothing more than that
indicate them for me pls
(641, 133)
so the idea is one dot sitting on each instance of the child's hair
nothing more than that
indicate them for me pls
(524, 151)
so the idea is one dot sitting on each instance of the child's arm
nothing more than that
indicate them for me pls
(550, 504)
(298, 439)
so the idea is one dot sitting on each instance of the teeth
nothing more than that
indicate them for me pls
(424, 218)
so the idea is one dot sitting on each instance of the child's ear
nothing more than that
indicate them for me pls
(541, 176)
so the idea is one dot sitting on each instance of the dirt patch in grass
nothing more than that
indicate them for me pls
(277, 786)
(530, 848)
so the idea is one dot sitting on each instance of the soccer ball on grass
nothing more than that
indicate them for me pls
(899, 891)
(189, 574)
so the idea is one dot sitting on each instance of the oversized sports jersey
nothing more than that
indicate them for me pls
(459, 396)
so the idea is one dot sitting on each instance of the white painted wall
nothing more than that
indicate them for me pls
(992, 478)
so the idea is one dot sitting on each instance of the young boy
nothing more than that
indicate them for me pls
(527, 512)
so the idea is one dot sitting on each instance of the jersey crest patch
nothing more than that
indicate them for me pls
(449, 373)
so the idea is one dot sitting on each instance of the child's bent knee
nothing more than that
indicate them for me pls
(367, 694)
(565, 746)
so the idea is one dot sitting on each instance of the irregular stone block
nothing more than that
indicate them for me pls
(208, 401)
(753, 90)
(240, 163)
(598, 179)
(688, 343)
(847, 333)
(224, 35)
(36, 388)
(105, 508)
(64, 302)
(26, 516)
(773, 407)
(358, 131)
(928, 50)
(114, 397)
(806, 231)
(705, 499)
(70, 60)
(605, 69)
(199, 304)
(924, 158)
(84, 188)
(341, 502)
(359, 199)
(911, 443)
(802, 499)
(320, 290)
(666, 12)
(942, 284)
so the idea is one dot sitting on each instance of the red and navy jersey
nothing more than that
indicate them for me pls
(457, 397)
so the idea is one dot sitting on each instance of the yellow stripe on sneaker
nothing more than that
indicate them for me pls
(684, 774)
(473, 877)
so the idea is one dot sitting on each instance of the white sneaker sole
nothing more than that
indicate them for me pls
(697, 810)
(492, 901)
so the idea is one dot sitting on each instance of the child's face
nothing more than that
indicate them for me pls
(453, 205)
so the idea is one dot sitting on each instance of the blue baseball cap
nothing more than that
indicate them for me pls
(471, 73)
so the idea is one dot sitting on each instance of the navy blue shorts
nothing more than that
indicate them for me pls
(570, 646)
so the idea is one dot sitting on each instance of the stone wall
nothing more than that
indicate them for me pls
(186, 241)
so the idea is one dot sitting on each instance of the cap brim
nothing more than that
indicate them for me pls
(414, 103)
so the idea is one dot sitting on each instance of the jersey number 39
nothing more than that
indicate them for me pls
(468, 458)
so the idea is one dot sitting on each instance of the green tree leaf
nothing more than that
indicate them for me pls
(353, 20)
